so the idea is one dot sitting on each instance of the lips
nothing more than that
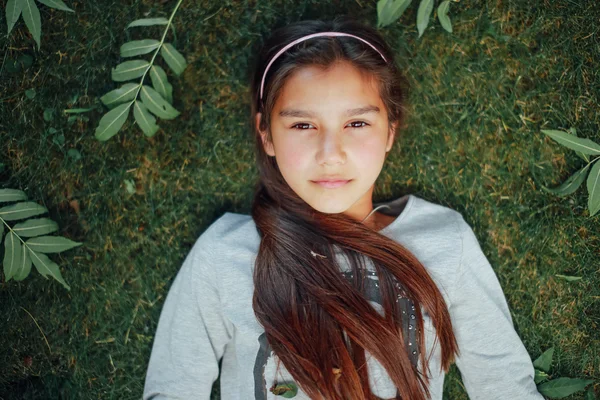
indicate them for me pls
(332, 183)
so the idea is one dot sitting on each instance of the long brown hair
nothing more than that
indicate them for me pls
(317, 323)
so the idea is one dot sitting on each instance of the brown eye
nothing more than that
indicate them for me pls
(359, 122)
(301, 124)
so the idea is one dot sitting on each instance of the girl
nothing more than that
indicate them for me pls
(317, 294)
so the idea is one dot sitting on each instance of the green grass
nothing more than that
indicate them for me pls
(480, 98)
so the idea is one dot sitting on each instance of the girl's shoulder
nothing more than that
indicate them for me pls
(231, 224)
(230, 234)
(421, 218)
(416, 218)
(434, 233)
(432, 222)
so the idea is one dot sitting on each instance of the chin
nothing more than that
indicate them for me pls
(330, 207)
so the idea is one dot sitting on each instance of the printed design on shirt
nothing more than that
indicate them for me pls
(266, 360)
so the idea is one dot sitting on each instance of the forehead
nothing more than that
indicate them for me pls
(339, 87)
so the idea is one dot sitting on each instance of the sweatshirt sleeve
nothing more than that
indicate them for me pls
(493, 361)
(191, 335)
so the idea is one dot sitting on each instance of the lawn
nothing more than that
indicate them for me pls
(480, 97)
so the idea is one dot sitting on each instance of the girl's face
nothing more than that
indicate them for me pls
(330, 124)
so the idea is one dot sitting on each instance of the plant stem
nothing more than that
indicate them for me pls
(162, 40)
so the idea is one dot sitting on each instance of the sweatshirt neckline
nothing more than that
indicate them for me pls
(394, 204)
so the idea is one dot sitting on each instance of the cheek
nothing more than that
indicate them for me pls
(292, 154)
(293, 160)
(369, 153)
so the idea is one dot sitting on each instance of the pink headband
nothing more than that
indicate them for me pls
(303, 38)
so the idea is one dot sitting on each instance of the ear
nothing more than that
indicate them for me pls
(268, 146)
(391, 136)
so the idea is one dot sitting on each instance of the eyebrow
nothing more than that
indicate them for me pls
(308, 114)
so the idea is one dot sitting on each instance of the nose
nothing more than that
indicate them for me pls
(331, 149)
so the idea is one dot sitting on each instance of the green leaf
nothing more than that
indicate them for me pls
(589, 395)
(148, 22)
(569, 278)
(571, 184)
(144, 119)
(21, 211)
(126, 92)
(540, 376)
(544, 361)
(30, 93)
(78, 110)
(46, 267)
(13, 11)
(423, 14)
(563, 387)
(74, 154)
(442, 13)
(156, 104)
(173, 58)
(593, 187)
(12, 195)
(58, 4)
(137, 47)
(388, 11)
(585, 146)
(160, 83)
(35, 227)
(51, 244)
(48, 114)
(31, 15)
(286, 390)
(573, 131)
(12, 255)
(291, 393)
(112, 121)
(129, 70)
(24, 267)
(129, 186)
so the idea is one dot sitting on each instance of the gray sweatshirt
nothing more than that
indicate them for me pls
(207, 316)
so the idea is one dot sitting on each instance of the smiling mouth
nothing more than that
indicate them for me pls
(332, 184)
